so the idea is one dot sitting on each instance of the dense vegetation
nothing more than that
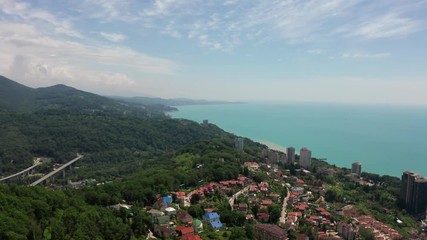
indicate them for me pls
(103, 139)
(38, 213)
(144, 153)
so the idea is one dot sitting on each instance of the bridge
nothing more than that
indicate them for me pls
(21, 172)
(57, 170)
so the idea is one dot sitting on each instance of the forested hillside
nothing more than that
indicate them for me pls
(104, 139)
(135, 151)
(38, 213)
(17, 97)
(59, 121)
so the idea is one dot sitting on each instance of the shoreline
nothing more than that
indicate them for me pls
(272, 146)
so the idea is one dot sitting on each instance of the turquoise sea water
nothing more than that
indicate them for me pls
(385, 139)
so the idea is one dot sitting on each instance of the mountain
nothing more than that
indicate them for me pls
(168, 102)
(17, 97)
(14, 95)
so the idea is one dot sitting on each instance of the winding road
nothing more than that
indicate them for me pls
(285, 204)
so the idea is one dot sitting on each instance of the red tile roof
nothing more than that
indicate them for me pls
(319, 209)
(184, 230)
(266, 202)
(296, 214)
(191, 237)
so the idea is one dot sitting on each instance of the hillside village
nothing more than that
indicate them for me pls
(270, 201)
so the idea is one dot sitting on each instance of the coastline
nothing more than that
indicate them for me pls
(272, 146)
(375, 136)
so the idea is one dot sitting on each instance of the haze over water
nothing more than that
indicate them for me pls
(385, 139)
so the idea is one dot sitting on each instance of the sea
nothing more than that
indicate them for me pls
(385, 139)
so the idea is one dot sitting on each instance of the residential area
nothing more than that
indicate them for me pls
(271, 200)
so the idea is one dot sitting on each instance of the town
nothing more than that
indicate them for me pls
(275, 200)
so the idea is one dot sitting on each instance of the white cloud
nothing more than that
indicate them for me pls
(164, 7)
(36, 73)
(25, 12)
(107, 10)
(22, 39)
(297, 21)
(171, 30)
(113, 37)
(35, 59)
(387, 26)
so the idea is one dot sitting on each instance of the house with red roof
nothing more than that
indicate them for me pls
(182, 230)
(295, 214)
(191, 237)
(251, 165)
(253, 188)
(266, 202)
(319, 209)
(300, 181)
(274, 196)
(325, 214)
(263, 217)
(243, 207)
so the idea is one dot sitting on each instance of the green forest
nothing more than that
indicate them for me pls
(139, 156)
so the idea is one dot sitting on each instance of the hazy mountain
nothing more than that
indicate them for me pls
(168, 102)
(17, 97)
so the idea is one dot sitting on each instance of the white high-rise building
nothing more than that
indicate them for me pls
(356, 168)
(239, 143)
(290, 154)
(305, 158)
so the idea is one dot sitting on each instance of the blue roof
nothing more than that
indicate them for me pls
(167, 200)
(216, 224)
(211, 215)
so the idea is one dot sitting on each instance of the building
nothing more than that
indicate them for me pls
(356, 168)
(164, 231)
(269, 232)
(191, 237)
(184, 217)
(346, 231)
(251, 165)
(205, 122)
(290, 152)
(182, 230)
(263, 217)
(170, 211)
(305, 158)
(197, 225)
(213, 218)
(239, 143)
(413, 193)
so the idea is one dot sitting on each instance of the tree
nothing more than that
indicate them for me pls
(366, 234)
(250, 231)
(195, 198)
(237, 233)
(275, 212)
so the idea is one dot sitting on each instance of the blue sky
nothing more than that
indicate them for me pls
(347, 51)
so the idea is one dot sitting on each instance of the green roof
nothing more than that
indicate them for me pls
(197, 225)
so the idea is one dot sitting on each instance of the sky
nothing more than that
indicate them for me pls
(345, 51)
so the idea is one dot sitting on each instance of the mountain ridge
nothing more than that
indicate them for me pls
(18, 97)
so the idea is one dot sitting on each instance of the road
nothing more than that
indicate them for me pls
(236, 195)
(187, 202)
(285, 204)
(21, 172)
(57, 170)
